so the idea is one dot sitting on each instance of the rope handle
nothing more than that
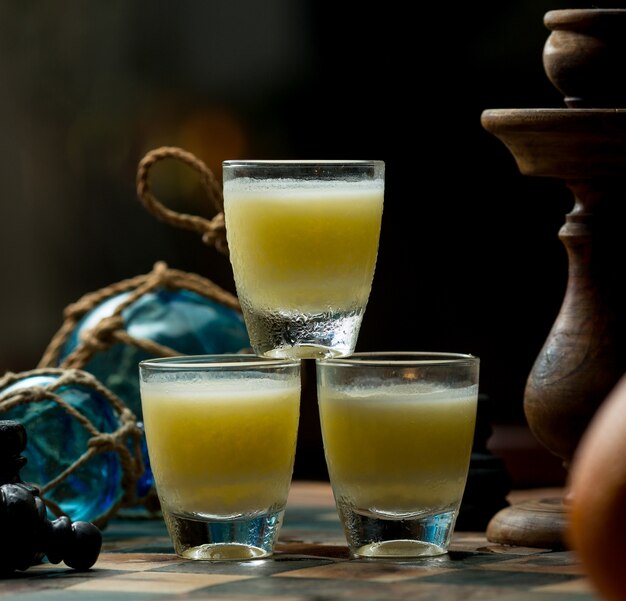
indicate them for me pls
(213, 230)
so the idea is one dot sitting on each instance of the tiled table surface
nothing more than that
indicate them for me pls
(137, 563)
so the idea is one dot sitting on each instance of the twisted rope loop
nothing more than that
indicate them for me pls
(213, 231)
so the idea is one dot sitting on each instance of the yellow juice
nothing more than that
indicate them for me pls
(304, 246)
(222, 448)
(398, 450)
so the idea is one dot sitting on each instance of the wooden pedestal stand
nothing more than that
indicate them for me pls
(584, 145)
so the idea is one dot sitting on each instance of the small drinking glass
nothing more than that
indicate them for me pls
(221, 433)
(398, 430)
(303, 240)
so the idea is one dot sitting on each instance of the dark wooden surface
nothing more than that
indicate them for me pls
(137, 564)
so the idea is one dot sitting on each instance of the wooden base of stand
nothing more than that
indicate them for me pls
(535, 523)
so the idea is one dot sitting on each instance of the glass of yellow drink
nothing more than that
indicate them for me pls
(303, 241)
(221, 433)
(398, 430)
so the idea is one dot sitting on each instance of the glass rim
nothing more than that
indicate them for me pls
(216, 361)
(302, 162)
(400, 359)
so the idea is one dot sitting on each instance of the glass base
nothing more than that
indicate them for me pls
(306, 351)
(224, 540)
(285, 334)
(375, 536)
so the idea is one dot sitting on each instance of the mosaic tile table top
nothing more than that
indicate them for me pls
(137, 563)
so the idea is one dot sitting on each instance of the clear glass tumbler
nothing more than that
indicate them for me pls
(221, 433)
(398, 430)
(303, 240)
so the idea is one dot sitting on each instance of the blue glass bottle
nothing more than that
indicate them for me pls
(56, 439)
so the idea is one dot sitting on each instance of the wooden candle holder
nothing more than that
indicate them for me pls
(584, 145)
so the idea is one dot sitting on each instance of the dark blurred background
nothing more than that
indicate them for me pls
(469, 256)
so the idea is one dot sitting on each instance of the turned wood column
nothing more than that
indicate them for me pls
(583, 355)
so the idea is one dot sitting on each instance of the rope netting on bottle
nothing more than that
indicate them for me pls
(125, 440)
(111, 330)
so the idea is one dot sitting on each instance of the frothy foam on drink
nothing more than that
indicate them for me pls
(301, 186)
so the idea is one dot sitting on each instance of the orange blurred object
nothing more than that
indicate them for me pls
(597, 499)
(215, 134)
